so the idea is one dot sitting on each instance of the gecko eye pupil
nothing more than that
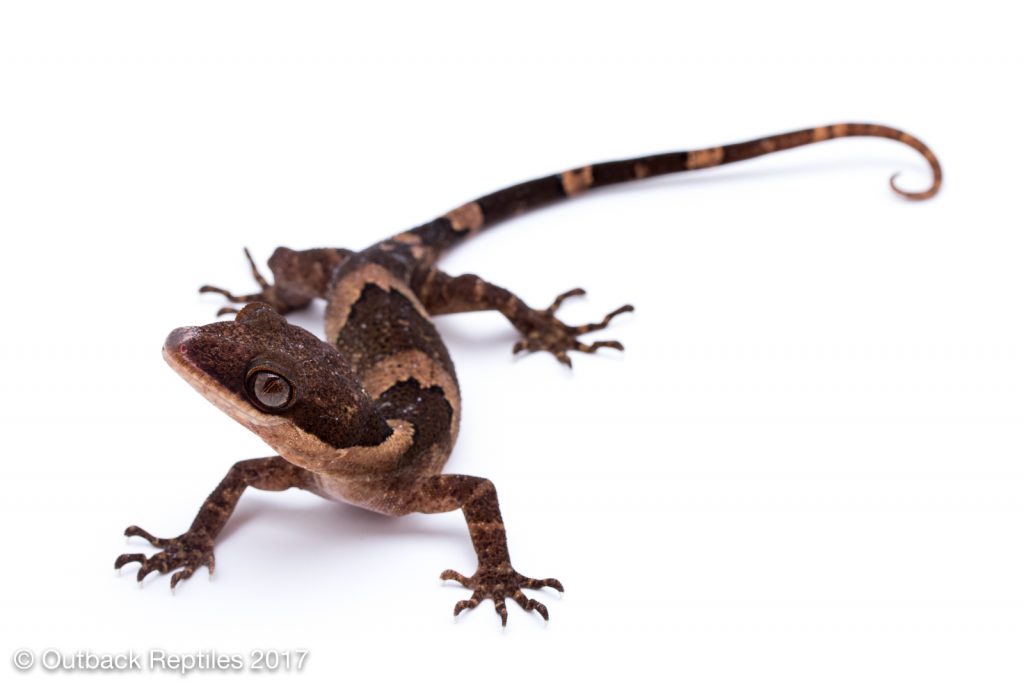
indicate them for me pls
(270, 390)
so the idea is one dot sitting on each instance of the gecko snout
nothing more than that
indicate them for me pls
(178, 339)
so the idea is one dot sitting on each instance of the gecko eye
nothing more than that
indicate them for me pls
(269, 390)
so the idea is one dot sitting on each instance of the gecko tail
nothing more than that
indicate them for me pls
(775, 143)
(920, 148)
(916, 196)
(461, 223)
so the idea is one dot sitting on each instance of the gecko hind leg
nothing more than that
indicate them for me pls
(541, 329)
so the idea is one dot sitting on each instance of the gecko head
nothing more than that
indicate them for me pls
(295, 391)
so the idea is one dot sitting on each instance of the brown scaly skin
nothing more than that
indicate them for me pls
(369, 416)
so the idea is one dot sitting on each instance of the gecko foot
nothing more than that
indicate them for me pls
(543, 331)
(268, 294)
(186, 553)
(500, 583)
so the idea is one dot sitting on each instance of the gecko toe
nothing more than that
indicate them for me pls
(530, 605)
(499, 607)
(146, 569)
(181, 575)
(128, 558)
(593, 327)
(543, 583)
(452, 575)
(138, 531)
(557, 303)
(594, 346)
(465, 604)
(211, 289)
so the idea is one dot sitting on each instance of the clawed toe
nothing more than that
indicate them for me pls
(151, 565)
(591, 348)
(452, 575)
(181, 575)
(593, 327)
(557, 303)
(499, 607)
(128, 558)
(233, 298)
(137, 531)
(465, 604)
(530, 605)
(543, 583)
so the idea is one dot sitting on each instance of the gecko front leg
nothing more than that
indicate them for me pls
(194, 548)
(495, 578)
(299, 277)
(541, 329)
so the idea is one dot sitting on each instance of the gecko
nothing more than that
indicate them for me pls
(369, 415)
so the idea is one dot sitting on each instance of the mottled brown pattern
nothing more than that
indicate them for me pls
(348, 287)
(417, 365)
(382, 323)
(372, 416)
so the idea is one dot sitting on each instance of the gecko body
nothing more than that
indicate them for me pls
(369, 415)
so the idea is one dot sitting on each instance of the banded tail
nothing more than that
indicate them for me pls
(455, 226)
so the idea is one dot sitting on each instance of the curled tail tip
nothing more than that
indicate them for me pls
(916, 196)
(933, 164)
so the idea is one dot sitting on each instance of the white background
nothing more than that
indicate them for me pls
(806, 466)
